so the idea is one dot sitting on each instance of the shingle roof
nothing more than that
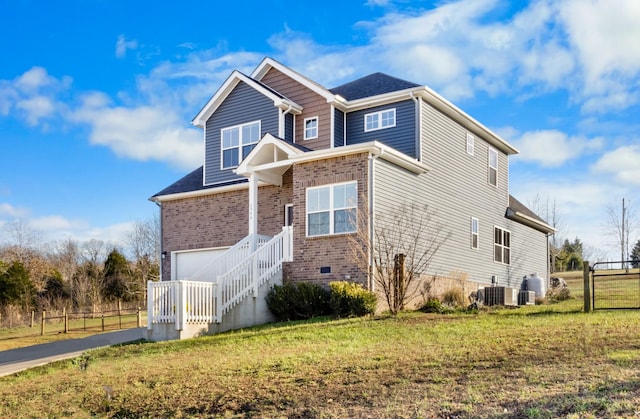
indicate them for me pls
(191, 183)
(518, 206)
(372, 85)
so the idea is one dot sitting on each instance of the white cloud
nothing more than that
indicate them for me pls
(553, 148)
(122, 45)
(8, 210)
(623, 163)
(36, 108)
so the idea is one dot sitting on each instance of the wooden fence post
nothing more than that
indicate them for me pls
(139, 317)
(103, 322)
(44, 315)
(33, 317)
(587, 289)
(66, 319)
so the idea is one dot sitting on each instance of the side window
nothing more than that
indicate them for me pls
(311, 128)
(332, 209)
(380, 120)
(475, 231)
(493, 167)
(501, 246)
(237, 142)
(470, 144)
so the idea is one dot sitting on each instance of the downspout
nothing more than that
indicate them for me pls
(417, 127)
(372, 157)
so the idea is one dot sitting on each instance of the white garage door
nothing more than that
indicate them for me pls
(188, 262)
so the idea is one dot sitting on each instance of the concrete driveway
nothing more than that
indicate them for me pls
(20, 359)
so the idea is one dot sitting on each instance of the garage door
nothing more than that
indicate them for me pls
(187, 263)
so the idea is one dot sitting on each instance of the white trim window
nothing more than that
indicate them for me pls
(311, 128)
(237, 142)
(470, 144)
(501, 245)
(493, 167)
(380, 120)
(475, 233)
(331, 209)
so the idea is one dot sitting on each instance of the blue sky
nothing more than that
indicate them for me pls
(96, 96)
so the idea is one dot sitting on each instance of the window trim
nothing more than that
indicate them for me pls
(490, 168)
(378, 116)
(240, 145)
(332, 209)
(475, 232)
(304, 136)
(470, 144)
(504, 233)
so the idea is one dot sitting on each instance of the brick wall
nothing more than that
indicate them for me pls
(312, 253)
(221, 219)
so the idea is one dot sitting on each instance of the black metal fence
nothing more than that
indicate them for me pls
(615, 285)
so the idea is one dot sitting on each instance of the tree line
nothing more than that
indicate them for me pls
(37, 276)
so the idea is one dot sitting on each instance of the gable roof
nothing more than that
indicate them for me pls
(519, 212)
(372, 85)
(227, 87)
(191, 182)
(268, 63)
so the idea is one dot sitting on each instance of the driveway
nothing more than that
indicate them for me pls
(20, 359)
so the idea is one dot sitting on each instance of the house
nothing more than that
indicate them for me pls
(294, 167)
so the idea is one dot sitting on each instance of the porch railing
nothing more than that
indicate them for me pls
(182, 302)
(206, 301)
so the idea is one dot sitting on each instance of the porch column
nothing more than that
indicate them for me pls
(253, 210)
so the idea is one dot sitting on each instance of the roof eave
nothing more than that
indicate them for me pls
(529, 221)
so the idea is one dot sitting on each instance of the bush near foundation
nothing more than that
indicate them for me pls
(349, 299)
(298, 301)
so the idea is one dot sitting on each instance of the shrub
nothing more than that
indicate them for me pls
(453, 297)
(296, 301)
(350, 299)
(555, 295)
(432, 305)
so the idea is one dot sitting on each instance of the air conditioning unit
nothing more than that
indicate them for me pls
(526, 298)
(500, 296)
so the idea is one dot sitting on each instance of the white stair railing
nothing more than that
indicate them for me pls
(246, 277)
(227, 260)
(182, 302)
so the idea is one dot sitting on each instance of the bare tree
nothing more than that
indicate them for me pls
(144, 239)
(402, 244)
(548, 210)
(620, 227)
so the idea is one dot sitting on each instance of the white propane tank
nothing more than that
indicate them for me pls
(536, 284)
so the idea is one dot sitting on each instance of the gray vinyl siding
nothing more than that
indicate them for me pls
(402, 137)
(455, 190)
(338, 128)
(244, 104)
(288, 127)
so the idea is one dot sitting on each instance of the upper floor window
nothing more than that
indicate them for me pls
(332, 209)
(311, 128)
(237, 143)
(493, 167)
(475, 231)
(470, 144)
(379, 120)
(501, 246)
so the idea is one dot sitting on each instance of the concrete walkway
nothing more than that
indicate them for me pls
(20, 359)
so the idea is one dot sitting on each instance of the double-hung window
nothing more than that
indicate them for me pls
(237, 143)
(332, 209)
(311, 128)
(475, 231)
(501, 246)
(380, 120)
(470, 144)
(493, 167)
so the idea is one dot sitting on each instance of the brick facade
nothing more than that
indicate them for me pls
(310, 254)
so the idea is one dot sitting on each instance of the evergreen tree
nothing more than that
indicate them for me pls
(635, 255)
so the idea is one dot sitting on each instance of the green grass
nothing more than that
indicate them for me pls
(533, 362)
